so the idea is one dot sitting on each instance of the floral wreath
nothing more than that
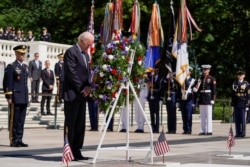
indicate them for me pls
(110, 71)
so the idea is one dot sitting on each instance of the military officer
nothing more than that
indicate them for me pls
(45, 36)
(59, 73)
(240, 103)
(15, 85)
(206, 91)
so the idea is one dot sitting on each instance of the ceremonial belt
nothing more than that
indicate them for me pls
(171, 92)
(205, 91)
(240, 94)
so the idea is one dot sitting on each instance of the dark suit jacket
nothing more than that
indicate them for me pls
(59, 71)
(76, 73)
(47, 79)
(35, 72)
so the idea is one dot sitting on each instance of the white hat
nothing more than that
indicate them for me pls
(206, 66)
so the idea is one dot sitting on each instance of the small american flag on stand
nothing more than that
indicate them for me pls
(67, 153)
(230, 139)
(161, 146)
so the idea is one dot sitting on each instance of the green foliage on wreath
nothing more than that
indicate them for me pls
(110, 71)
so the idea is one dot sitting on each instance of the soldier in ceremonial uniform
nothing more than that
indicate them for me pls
(45, 36)
(15, 85)
(187, 103)
(240, 103)
(59, 73)
(171, 101)
(206, 91)
(155, 96)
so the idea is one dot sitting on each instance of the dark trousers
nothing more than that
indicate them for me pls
(240, 120)
(154, 108)
(111, 123)
(16, 133)
(47, 99)
(171, 114)
(74, 125)
(35, 88)
(93, 114)
(186, 112)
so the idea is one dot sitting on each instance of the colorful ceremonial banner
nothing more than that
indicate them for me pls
(91, 29)
(179, 50)
(155, 37)
(135, 23)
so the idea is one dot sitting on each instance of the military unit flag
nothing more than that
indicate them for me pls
(230, 139)
(161, 146)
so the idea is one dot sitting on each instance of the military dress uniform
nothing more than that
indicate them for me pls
(187, 103)
(240, 101)
(155, 95)
(171, 100)
(59, 74)
(15, 85)
(206, 90)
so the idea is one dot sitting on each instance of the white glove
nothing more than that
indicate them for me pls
(160, 102)
(247, 108)
(212, 102)
(177, 105)
(195, 89)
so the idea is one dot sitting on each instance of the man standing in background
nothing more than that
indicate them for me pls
(35, 68)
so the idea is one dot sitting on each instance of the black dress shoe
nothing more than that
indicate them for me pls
(201, 134)
(210, 133)
(79, 158)
(109, 130)
(49, 113)
(189, 133)
(14, 145)
(123, 130)
(43, 113)
(184, 133)
(139, 131)
(21, 144)
(93, 129)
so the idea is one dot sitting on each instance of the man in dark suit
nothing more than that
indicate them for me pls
(76, 91)
(59, 73)
(35, 68)
(47, 87)
(16, 92)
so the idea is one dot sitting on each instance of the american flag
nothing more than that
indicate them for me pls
(67, 153)
(230, 139)
(161, 146)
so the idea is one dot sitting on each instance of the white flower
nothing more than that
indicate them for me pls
(105, 67)
(109, 87)
(101, 74)
(104, 54)
(140, 62)
(110, 57)
(126, 48)
(100, 96)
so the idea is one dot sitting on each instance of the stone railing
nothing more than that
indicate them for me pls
(46, 50)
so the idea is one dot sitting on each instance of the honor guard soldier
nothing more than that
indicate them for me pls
(187, 103)
(206, 91)
(240, 103)
(59, 73)
(155, 95)
(171, 100)
(15, 85)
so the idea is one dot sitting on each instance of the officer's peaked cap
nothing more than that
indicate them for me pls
(240, 72)
(206, 66)
(20, 48)
(60, 55)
